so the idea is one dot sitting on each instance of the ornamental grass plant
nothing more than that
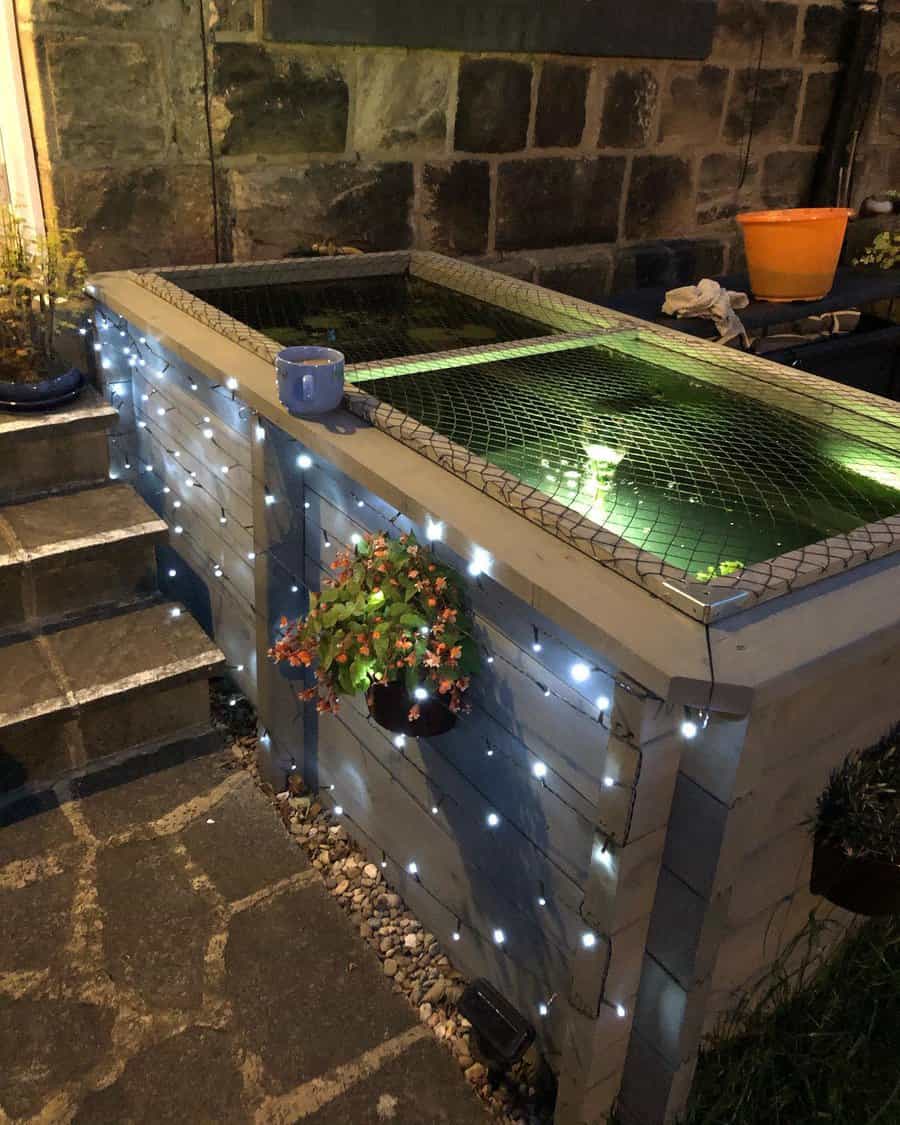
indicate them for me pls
(859, 809)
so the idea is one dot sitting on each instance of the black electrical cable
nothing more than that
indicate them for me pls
(752, 122)
(213, 175)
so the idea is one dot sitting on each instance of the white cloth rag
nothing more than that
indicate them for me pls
(708, 299)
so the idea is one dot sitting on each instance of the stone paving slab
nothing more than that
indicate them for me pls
(39, 916)
(167, 955)
(47, 1045)
(284, 978)
(190, 1077)
(245, 847)
(156, 927)
(32, 825)
(183, 771)
(396, 1092)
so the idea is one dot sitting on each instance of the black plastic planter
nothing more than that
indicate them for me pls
(390, 704)
(55, 391)
(857, 883)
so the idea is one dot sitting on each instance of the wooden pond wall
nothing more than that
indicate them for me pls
(642, 879)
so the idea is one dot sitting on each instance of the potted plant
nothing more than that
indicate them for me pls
(856, 859)
(884, 251)
(393, 624)
(39, 277)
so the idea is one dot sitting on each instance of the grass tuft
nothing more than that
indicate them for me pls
(817, 1042)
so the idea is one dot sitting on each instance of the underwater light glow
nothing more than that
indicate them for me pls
(604, 453)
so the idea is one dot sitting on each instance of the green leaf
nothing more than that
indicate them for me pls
(327, 649)
(359, 673)
(332, 616)
(345, 679)
(413, 620)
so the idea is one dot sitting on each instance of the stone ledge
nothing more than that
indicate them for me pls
(89, 412)
(92, 663)
(83, 520)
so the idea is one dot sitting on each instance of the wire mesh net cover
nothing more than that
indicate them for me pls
(624, 448)
(371, 318)
(705, 480)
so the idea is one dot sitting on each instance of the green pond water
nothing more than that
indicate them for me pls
(706, 479)
(372, 318)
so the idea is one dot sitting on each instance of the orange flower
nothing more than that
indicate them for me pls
(432, 660)
(455, 652)
(414, 712)
(283, 622)
(413, 574)
(432, 601)
(445, 686)
(305, 657)
(376, 635)
(364, 650)
(341, 658)
(440, 583)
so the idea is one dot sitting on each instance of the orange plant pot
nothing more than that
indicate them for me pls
(792, 255)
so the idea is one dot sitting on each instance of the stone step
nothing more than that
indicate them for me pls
(100, 689)
(63, 557)
(56, 451)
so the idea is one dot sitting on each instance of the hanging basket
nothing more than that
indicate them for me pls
(858, 883)
(390, 704)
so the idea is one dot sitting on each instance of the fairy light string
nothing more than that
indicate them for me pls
(580, 669)
(141, 357)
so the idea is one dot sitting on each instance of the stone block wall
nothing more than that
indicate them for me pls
(172, 130)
